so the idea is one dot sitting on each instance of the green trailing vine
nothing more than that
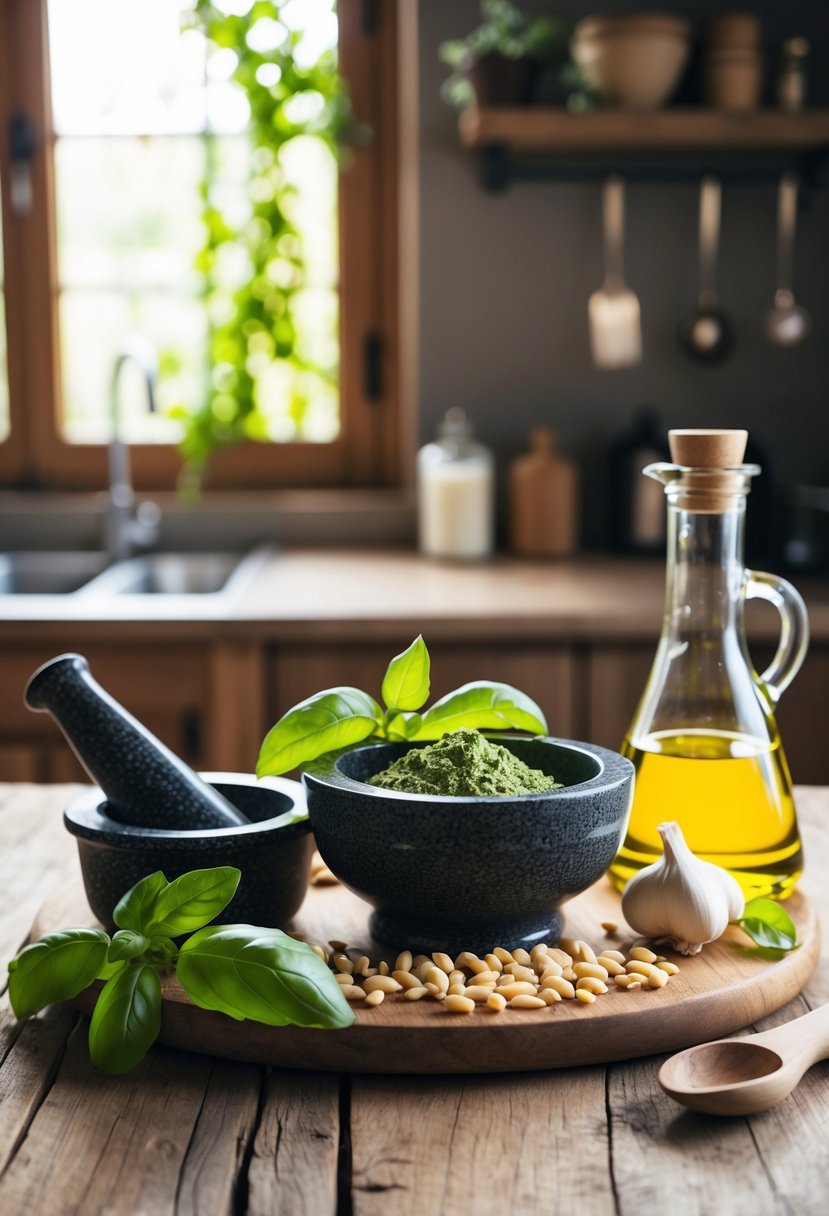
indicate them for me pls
(257, 324)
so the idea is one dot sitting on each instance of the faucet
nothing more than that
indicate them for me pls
(128, 526)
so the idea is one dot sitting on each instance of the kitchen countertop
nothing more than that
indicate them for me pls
(352, 593)
(186, 1134)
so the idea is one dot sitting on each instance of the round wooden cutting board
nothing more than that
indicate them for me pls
(720, 990)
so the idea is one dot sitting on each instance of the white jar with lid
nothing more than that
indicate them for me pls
(456, 492)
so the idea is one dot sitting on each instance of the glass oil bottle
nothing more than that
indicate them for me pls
(704, 738)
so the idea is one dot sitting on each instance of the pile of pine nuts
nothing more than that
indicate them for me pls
(517, 979)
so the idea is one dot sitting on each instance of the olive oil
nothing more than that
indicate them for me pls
(731, 795)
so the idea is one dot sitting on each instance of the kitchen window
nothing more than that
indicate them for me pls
(140, 176)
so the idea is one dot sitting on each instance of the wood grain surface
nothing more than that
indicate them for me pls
(184, 1134)
(719, 990)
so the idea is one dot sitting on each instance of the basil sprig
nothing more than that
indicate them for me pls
(342, 717)
(769, 926)
(243, 971)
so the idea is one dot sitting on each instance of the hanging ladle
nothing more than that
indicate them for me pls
(706, 334)
(787, 323)
(613, 310)
(744, 1076)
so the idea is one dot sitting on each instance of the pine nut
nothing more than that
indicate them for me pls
(569, 945)
(586, 953)
(569, 974)
(423, 969)
(589, 983)
(335, 944)
(520, 972)
(667, 967)
(493, 962)
(628, 981)
(521, 956)
(538, 956)
(457, 977)
(496, 1002)
(353, 992)
(320, 953)
(595, 969)
(434, 991)
(363, 965)
(586, 998)
(503, 955)
(560, 956)
(549, 996)
(479, 994)
(610, 926)
(343, 964)
(415, 994)
(343, 979)
(642, 955)
(518, 988)
(485, 977)
(456, 990)
(382, 983)
(405, 979)
(551, 967)
(658, 980)
(434, 975)
(617, 954)
(324, 878)
(443, 961)
(464, 960)
(383, 968)
(419, 961)
(403, 962)
(476, 964)
(377, 996)
(560, 985)
(610, 965)
(459, 1004)
(639, 968)
(527, 1002)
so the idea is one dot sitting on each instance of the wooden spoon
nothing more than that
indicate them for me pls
(744, 1076)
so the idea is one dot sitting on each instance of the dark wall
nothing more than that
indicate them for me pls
(506, 278)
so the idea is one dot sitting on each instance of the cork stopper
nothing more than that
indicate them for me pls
(708, 449)
(709, 485)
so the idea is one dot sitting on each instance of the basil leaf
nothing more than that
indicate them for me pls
(323, 723)
(403, 726)
(262, 974)
(126, 944)
(127, 1019)
(769, 925)
(56, 968)
(193, 900)
(135, 909)
(406, 682)
(482, 706)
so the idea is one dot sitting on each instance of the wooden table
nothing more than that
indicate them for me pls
(184, 1133)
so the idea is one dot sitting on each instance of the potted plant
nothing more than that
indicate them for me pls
(500, 61)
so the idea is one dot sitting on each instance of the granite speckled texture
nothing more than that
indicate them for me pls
(144, 782)
(273, 853)
(470, 873)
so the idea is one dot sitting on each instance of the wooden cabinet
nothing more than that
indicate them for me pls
(167, 687)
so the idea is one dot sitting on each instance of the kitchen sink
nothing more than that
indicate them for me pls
(32, 572)
(197, 574)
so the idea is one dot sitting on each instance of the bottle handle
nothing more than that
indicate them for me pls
(794, 631)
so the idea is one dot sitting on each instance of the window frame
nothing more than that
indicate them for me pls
(367, 451)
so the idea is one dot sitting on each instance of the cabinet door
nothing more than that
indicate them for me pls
(616, 678)
(167, 687)
(543, 673)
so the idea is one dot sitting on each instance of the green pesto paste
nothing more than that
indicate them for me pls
(463, 764)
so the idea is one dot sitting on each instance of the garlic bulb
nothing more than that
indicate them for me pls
(681, 898)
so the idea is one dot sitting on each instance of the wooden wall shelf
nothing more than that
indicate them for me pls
(662, 145)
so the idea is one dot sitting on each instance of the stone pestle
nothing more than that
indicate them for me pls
(145, 783)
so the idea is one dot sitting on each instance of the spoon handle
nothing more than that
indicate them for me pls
(803, 1039)
(786, 224)
(710, 210)
(613, 217)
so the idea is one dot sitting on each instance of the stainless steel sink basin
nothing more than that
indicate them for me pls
(197, 574)
(30, 572)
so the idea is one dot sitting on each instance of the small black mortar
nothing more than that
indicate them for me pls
(273, 851)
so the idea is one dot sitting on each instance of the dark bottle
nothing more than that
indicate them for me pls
(144, 782)
(636, 510)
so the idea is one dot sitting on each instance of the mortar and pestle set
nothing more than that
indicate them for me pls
(152, 812)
